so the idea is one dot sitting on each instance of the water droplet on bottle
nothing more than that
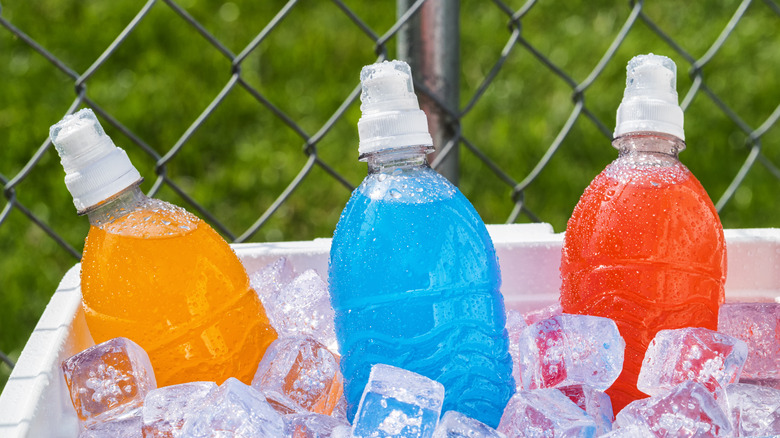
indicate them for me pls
(382, 177)
(395, 193)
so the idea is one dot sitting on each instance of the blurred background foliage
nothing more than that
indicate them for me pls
(165, 74)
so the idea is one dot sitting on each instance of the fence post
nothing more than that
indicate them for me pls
(430, 43)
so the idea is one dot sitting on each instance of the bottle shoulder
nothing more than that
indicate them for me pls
(631, 212)
(414, 220)
(410, 199)
(414, 185)
(665, 186)
(149, 218)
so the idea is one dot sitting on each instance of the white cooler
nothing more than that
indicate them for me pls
(35, 402)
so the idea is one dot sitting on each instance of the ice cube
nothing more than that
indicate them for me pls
(758, 324)
(296, 304)
(340, 410)
(571, 349)
(127, 425)
(453, 424)
(165, 409)
(270, 280)
(543, 313)
(311, 425)
(754, 410)
(299, 374)
(688, 410)
(108, 379)
(595, 403)
(303, 307)
(398, 403)
(233, 410)
(545, 413)
(693, 353)
(515, 324)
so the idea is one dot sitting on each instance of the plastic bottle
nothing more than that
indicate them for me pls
(414, 279)
(155, 273)
(644, 245)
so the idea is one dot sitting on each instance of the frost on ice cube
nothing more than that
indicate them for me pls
(694, 353)
(311, 425)
(398, 403)
(688, 410)
(453, 424)
(233, 410)
(296, 305)
(342, 432)
(165, 409)
(758, 324)
(632, 431)
(123, 426)
(754, 410)
(545, 413)
(595, 403)
(108, 379)
(571, 349)
(299, 374)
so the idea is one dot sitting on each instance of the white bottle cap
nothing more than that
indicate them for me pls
(392, 117)
(95, 169)
(650, 99)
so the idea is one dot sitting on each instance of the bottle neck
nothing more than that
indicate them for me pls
(390, 159)
(649, 146)
(117, 206)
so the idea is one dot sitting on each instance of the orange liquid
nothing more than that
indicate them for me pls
(645, 248)
(168, 281)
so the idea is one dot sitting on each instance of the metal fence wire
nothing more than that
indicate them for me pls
(466, 58)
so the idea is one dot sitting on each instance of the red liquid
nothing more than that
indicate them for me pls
(644, 247)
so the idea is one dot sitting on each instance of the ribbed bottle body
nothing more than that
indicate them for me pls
(644, 247)
(165, 279)
(414, 282)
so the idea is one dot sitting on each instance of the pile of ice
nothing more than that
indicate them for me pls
(562, 366)
(296, 304)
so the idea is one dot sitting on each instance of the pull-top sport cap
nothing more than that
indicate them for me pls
(95, 168)
(650, 99)
(391, 114)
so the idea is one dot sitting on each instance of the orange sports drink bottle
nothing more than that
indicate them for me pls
(155, 273)
(644, 245)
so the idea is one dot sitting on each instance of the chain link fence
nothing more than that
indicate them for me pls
(244, 112)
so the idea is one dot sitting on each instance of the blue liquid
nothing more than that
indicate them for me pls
(414, 282)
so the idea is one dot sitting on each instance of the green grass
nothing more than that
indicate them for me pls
(164, 76)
